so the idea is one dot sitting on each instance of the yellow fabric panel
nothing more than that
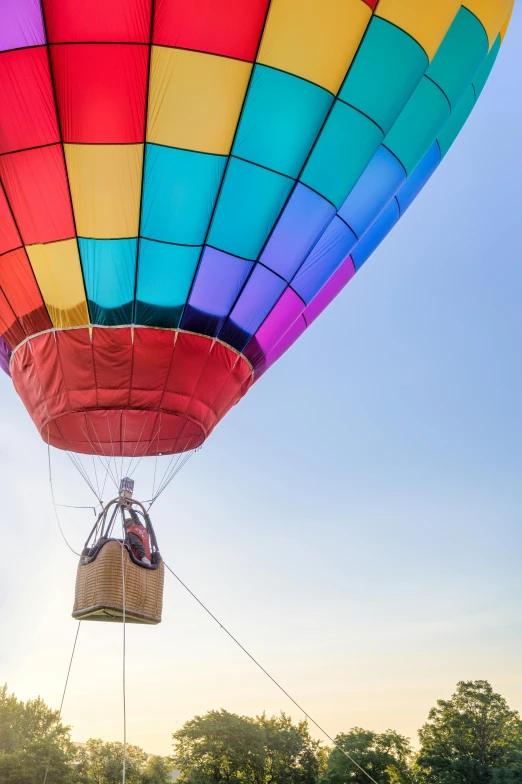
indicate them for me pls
(507, 20)
(195, 99)
(315, 39)
(425, 20)
(105, 184)
(492, 14)
(57, 269)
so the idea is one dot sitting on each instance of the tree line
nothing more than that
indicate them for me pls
(471, 738)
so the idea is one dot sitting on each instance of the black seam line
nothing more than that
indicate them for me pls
(347, 226)
(397, 159)
(359, 111)
(441, 90)
(252, 337)
(261, 166)
(397, 27)
(2, 188)
(142, 191)
(474, 93)
(305, 163)
(12, 250)
(16, 319)
(398, 208)
(29, 149)
(440, 152)
(465, 7)
(60, 131)
(254, 262)
(216, 201)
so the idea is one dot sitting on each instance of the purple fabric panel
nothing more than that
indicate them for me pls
(328, 293)
(303, 219)
(218, 282)
(257, 299)
(5, 355)
(324, 259)
(281, 318)
(21, 24)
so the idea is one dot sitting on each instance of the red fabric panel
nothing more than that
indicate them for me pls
(101, 92)
(112, 350)
(20, 287)
(68, 385)
(28, 115)
(371, 3)
(98, 20)
(9, 237)
(7, 317)
(229, 27)
(36, 186)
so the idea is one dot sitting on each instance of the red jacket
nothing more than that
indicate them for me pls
(139, 542)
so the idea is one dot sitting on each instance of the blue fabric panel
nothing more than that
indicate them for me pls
(219, 280)
(179, 192)
(165, 274)
(257, 299)
(378, 183)
(281, 119)
(419, 177)
(248, 206)
(375, 234)
(323, 260)
(109, 269)
(344, 148)
(304, 217)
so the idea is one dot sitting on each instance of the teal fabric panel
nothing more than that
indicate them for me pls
(418, 124)
(385, 72)
(485, 69)
(109, 270)
(346, 144)
(464, 48)
(165, 274)
(248, 206)
(179, 192)
(281, 119)
(453, 127)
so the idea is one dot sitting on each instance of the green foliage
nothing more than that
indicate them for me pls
(225, 747)
(32, 737)
(105, 763)
(157, 771)
(473, 738)
(385, 756)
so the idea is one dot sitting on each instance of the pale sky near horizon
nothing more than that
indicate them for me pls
(355, 521)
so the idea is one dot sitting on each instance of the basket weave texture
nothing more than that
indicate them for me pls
(99, 589)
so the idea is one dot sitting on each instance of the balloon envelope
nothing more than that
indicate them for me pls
(187, 184)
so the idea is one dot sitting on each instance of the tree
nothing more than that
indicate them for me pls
(32, 740)
(225, 747)
(385, 756)
(104, 763)
(472, 738)
(157, 771)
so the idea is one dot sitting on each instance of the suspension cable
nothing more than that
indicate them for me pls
(54, 503)
(124, 656)
(260, 666)
(63, 695)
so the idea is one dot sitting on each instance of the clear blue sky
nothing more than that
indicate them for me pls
(356, 520)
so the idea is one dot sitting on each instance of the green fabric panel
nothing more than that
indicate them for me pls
(453, 127)
(485, 69)
(346, 144)
(385, 72)
(464, 48)
(418, 125)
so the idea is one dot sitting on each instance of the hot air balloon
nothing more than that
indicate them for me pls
(187, 184)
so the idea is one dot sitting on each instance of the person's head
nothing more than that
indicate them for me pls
(128, 522)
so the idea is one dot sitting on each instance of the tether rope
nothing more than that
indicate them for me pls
(63, 695)
(55, 505)
(260, 666)
(124, 658)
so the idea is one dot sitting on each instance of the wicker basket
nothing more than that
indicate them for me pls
(99, 589)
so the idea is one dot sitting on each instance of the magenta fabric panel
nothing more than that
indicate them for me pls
(22, 24)
(328, 293)
(285, 312)
(288, 340)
